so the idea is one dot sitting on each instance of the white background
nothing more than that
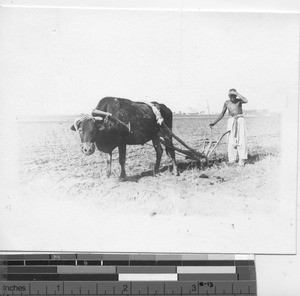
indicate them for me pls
(188, 59)
(277, 275)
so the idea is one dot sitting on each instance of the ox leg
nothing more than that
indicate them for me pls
(108, 164)
(159, 152)
(175, 169)
(171, 153)
(122, 160)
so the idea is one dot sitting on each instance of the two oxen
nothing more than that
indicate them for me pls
(108, 130)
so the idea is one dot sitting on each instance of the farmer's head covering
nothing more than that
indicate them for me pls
(232, 91)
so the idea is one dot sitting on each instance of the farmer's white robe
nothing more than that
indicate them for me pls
(237, 142)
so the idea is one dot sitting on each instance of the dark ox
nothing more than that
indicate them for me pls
(107, 134)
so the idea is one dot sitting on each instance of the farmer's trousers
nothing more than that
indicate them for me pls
(236, 141)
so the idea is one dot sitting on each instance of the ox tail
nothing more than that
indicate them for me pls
(168, 121)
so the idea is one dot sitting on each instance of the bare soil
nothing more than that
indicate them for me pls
(67, 194)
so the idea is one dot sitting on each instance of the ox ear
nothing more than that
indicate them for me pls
(73, 128)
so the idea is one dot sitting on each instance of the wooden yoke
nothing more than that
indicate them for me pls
(103, 113)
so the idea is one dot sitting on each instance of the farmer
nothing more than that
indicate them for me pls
(236, 125)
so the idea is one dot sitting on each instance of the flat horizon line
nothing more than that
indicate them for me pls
(178, 113)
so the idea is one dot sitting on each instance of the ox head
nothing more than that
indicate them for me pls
(88, 127)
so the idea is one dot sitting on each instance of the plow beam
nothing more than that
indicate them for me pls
(168, 130)
(194, 156)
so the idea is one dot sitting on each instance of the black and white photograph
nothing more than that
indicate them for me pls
(148, 130)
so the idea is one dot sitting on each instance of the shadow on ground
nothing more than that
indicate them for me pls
(252, 158)
(256, 157)
(191, 164)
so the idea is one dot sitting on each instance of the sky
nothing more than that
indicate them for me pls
(63, 61)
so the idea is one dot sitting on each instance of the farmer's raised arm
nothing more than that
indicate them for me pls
(220, 116)
(242, 98)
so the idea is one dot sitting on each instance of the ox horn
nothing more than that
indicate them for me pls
(98, 118)
(76, 121)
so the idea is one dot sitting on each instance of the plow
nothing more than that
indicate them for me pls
(207, 146)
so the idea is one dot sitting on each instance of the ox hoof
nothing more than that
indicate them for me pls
(122, 177)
